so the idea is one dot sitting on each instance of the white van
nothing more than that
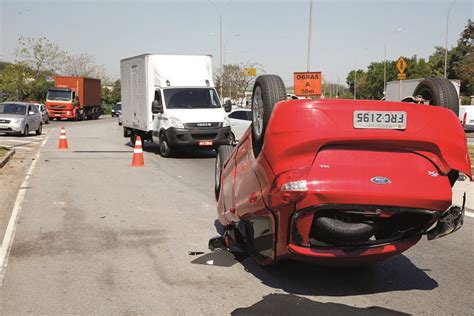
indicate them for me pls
(171, 100)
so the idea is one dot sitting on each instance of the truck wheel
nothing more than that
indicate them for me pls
(268, 90)
(126, 133)
(440, 92)
(39, 131)
(165, 149)
(132, 137)
(223, 153)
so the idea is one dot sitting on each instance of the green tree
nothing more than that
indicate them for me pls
(115, 93)
(15, 81)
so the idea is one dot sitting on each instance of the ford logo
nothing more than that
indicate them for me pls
(380, 180)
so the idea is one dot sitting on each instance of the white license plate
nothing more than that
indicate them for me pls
(205, 143)
(380, 119)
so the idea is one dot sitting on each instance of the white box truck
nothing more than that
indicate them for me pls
(171, 100)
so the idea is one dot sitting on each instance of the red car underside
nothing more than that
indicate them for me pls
(315, 141)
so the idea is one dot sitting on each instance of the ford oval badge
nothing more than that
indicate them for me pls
(380, 180)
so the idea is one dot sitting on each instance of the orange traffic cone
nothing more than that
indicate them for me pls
(137, 160)
(62, 139)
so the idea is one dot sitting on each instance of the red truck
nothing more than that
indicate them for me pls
(76, 98)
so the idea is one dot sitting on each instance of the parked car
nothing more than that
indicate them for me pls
(44, 112)
(240, 120)
(20, 118)
(338, 181)
(466, 115)
(117, 109)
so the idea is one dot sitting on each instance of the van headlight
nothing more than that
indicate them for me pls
(175, 122)
(226, 122)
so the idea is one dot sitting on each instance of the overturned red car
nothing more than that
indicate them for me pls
(338, 181)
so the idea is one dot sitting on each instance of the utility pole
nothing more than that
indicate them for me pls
(385, 70)
(446, 42)
(310, 26)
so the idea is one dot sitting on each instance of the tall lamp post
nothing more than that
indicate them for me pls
(220, 39)
(310, 26)
(446, 41)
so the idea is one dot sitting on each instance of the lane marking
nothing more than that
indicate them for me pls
(469, 214)
(13, 222)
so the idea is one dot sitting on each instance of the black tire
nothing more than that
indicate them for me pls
(132, 137)
(439, 92)
(165, 149)
(126, 133)
(268, 90)
(223, 153)
(232, 139)
(337, 232)
(26, 131)
(39, 131)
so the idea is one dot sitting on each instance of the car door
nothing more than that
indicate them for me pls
(36, 117)
(157, 118)
(239, 123)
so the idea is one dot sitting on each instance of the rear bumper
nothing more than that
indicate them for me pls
(211, 137)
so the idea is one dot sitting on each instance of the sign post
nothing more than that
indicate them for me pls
(307, 83)
(401, 66)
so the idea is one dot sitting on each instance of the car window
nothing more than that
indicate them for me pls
(34, 108)
(240, 115)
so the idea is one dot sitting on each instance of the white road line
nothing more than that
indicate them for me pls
(14, 141)
(11, 228)
(469, 214)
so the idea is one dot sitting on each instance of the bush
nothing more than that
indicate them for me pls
(465, 100)
(107, 108)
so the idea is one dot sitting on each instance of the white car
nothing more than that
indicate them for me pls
(44, 113)
(20, 118)
(240, 120)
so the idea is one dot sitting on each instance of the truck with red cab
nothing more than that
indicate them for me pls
(76, 98)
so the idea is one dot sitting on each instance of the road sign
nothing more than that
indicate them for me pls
(250, 72)
(401, 65)
(307, 83)
(401, 76)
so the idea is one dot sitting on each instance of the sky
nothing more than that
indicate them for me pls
(345, 33)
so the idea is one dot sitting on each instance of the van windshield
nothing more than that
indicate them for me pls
(191, 98)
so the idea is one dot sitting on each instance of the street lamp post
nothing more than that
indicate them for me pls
(220, 40)
(446, 41)
(308, 61)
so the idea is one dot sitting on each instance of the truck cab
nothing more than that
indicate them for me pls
(189, 117)
(60, 102)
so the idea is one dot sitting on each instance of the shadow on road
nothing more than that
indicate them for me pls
(285, 304)
(397, 274)
(179, 154)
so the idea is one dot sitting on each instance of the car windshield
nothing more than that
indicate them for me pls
(117, 107)
(12, 108)
(59, 95)
(191, 98)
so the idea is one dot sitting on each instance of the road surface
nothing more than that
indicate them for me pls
(96, 236)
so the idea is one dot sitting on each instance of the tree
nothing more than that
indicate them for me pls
(234, 80)
(40, 55)
(14, 81)
(83, 65)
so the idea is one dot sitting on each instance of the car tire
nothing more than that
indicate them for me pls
(223, 153)
(26, 131)
(267, 91)
(39, 131)
(439, 92)
(165, 149)
(231, 139)
(337, 232)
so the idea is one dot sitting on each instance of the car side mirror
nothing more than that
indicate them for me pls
(156, 107)
(228, 106)
(31, 113)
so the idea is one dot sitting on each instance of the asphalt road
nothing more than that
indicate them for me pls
(96, 236)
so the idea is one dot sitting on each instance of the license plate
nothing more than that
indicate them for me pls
(205, 143)
(3, 126)
(380, 119)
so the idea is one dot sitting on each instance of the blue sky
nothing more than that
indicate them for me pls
(273, 33)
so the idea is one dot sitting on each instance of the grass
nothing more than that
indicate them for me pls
(3, 151)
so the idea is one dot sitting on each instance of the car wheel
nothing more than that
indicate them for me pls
(334, 231)
(26, 131)
(439, 92)
(39, 131)
(223, 153)
(47, 120)
(165, 149)
(232, 139)
(268, 90)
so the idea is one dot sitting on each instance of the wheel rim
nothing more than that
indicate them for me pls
(257, 112)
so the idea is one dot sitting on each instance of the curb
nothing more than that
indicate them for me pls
(6, 158)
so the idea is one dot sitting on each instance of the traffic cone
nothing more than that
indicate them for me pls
(137, 160)
(62, 139)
